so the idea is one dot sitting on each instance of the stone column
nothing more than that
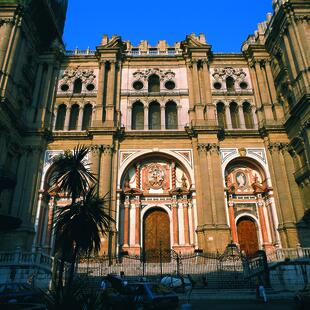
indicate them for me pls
(270, 82)
(95, 160)
(197, 82)
(290, 58)
(175, 222)
(110, 106)
(138, 224)
(205, 215)
(207, 81)
(228, 117)
(217, 185)
(262, 221)
(67, 118)
(186, 223)
(162, 118)
(129, 118)
(261, 83)
(191, 94)
(233, 226)
(126, 222)
(105, 170)
(5, 34)
(101, 92)
(190, 222)
(49, 228)
(80, 118)
(146, 117)
(241, 116)
(288, 228)
(132, 223)
(293, 187)
(181, 222)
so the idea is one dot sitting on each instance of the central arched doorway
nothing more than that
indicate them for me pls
(247, 235)
(156, 235)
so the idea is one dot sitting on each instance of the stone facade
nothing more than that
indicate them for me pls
(195, 148)
(30, 52)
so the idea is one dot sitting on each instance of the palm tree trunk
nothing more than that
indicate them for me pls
(71, 272)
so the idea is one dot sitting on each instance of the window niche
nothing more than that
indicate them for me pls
(154, 84)
(61, 116)
(154, 115)
(77, 86)
(171, 115)
(137, 120)
(221, 119)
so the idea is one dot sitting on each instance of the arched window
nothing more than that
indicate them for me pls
(154, 84)
(230, 84)
(171, 115)
(77, 87)
(61, 116)
(234, 115)
(87, 116)
(74, 114)
(137, 119)
(248, 116)
(154, 115)
(221, 119)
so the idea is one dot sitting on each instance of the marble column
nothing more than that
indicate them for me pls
(241, 116)
(228, 117)
(186, 224)
(175, 222)
(181, 222)
(67, 118)
(138, 224)
(262, 220)
(146, 117)
(126, 222)
(162, 117)
(233, 226)
(80, 118)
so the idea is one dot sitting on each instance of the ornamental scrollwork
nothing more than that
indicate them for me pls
(221, 74)
(87, 76)
(164, 75)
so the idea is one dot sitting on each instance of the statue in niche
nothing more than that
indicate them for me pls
(241, 179)
(184, 181)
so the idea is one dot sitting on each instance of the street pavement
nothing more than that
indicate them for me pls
(238, 305)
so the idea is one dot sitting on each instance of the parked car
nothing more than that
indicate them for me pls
(140, 295)
(303, 298)
(19, 293)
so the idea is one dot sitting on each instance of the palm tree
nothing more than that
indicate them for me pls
(79, 224)
(82, 224)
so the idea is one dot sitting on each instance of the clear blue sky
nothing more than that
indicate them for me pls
(226, 23)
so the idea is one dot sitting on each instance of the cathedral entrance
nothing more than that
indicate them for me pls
(156, 236)
(247, 236)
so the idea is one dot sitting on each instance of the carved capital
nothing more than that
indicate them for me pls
(107, 149)
(274, 147)
(213, 148)
(96, 149)
(201, 148)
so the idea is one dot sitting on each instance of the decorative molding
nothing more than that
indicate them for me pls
(221, 74)
(164, 75)
(87, 76)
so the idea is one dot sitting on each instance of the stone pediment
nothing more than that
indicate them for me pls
(193, 41)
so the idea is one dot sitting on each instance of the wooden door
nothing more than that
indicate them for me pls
(156, 232)
(247, 236)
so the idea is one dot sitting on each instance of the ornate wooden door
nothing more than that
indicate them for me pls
(156, 231)
(247, 236)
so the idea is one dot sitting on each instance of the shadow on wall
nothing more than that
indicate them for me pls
(303, 229)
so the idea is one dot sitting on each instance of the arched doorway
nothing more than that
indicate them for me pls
(247, 235)
(156, 235)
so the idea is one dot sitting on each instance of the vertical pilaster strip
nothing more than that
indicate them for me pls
(186, 224)
(262, 221)
(126, 222)
(232, 221)
(175, 222)
(105, 170)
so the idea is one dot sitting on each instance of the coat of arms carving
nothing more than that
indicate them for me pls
(155, 176)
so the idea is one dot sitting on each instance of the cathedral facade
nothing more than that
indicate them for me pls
(194, 148)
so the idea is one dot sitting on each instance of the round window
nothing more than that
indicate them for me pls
(64, 87)
(243, 85)
(90, 87)
(170, 85)
(137, 85)
(217, 85)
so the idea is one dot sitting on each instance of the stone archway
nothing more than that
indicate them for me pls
(247, 235)
(156, 235)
